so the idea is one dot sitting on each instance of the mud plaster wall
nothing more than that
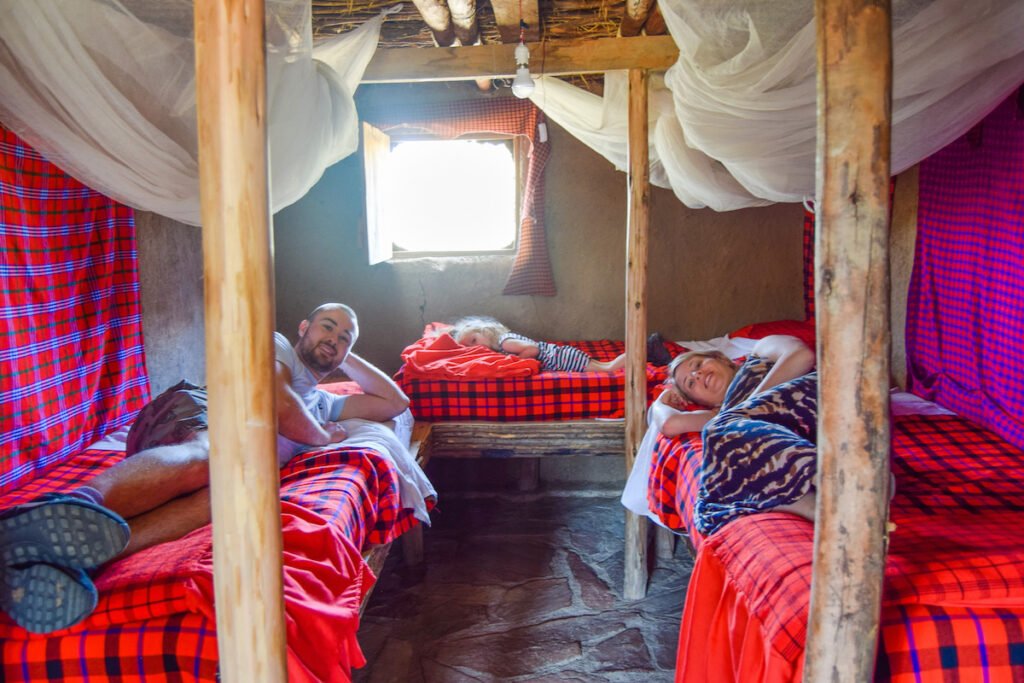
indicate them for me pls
(708, 272)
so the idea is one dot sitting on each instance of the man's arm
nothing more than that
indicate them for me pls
(294, 421)
(381, 399)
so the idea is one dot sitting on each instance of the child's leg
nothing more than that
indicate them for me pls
(606, 366)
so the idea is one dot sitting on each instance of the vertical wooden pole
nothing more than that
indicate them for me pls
(638, 219)
(852, 303)
(231, 105)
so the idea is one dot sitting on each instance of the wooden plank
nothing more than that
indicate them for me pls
(638, 224)
(526, 439)
(400, 65)
(375, 558)
(852, 303)
(239, 296)
(507, 14)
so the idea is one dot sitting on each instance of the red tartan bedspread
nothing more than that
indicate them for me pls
(155, 619)
(953, 604)
(544, 396)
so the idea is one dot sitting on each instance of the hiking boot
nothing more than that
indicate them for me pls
(43, 598)
(62, 530)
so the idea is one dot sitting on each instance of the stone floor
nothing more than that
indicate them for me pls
(521, 587)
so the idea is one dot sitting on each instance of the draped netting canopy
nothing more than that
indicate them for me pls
(105, 88)
(733, 123)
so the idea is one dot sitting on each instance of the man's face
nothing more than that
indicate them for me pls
(325, 341)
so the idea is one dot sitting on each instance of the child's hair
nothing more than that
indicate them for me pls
(682, 358)
(481, 324)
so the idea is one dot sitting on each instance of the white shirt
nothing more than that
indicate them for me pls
(323, 405)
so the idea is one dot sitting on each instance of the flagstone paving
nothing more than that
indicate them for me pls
(522, 588)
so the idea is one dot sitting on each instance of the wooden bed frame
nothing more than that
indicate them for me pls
(854, 49)
(412, 540)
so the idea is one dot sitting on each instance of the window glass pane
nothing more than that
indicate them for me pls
(452, 195)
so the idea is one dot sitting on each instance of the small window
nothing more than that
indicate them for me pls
(431, 196)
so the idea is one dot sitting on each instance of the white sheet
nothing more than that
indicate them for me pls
(414, 487)
(634, 494)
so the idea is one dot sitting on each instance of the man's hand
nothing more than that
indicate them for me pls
(335, 432)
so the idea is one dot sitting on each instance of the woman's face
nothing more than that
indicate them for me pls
(704, 379)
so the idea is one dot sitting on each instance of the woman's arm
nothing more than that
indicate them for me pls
(665, 414)
(518, 347)
(791, 356)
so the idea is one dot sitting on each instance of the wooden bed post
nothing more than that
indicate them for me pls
(852, 303)
(231, 106)
(635, 569)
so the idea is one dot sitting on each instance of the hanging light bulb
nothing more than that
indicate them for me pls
(522, 84)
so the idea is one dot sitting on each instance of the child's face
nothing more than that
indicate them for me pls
(474, 338)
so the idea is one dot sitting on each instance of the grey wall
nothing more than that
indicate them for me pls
(171, 283)
(709, 272)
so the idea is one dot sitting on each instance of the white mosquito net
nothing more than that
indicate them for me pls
(733, 122)
(104, 88)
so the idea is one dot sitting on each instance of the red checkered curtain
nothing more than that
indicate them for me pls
(531, 269)
(965, 320)
(71, 360)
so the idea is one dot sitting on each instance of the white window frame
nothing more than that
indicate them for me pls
(377, 147)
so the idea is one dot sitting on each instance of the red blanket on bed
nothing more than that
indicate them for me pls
(155, 618)
(953, 603)
(442, 357)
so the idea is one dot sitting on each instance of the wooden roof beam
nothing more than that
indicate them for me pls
(634, 17)
(438, 19)
(507, 14)
(407, 65)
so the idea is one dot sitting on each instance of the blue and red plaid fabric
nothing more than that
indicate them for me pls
(531, 269)
(148, 625)
(965, 322)
(953, 603)
(544, 396)
(71, 358)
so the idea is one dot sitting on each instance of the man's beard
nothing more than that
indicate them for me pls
(308, 356)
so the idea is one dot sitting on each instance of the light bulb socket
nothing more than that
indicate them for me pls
(522, 54)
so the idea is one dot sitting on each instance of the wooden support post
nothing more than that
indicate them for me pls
(852, 302)
(665, 543)
(635, 580)
(235, 211)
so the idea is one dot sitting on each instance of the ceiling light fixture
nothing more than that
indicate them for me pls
(522, 84)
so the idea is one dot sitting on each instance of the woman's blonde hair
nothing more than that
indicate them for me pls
(480, 324)
(682, 358)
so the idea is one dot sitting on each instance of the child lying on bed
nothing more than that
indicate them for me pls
(488, 332)
(759, 423)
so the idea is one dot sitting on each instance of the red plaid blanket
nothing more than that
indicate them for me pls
(155, 618)
(71, 360)
(544, 396)
(953, 605)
